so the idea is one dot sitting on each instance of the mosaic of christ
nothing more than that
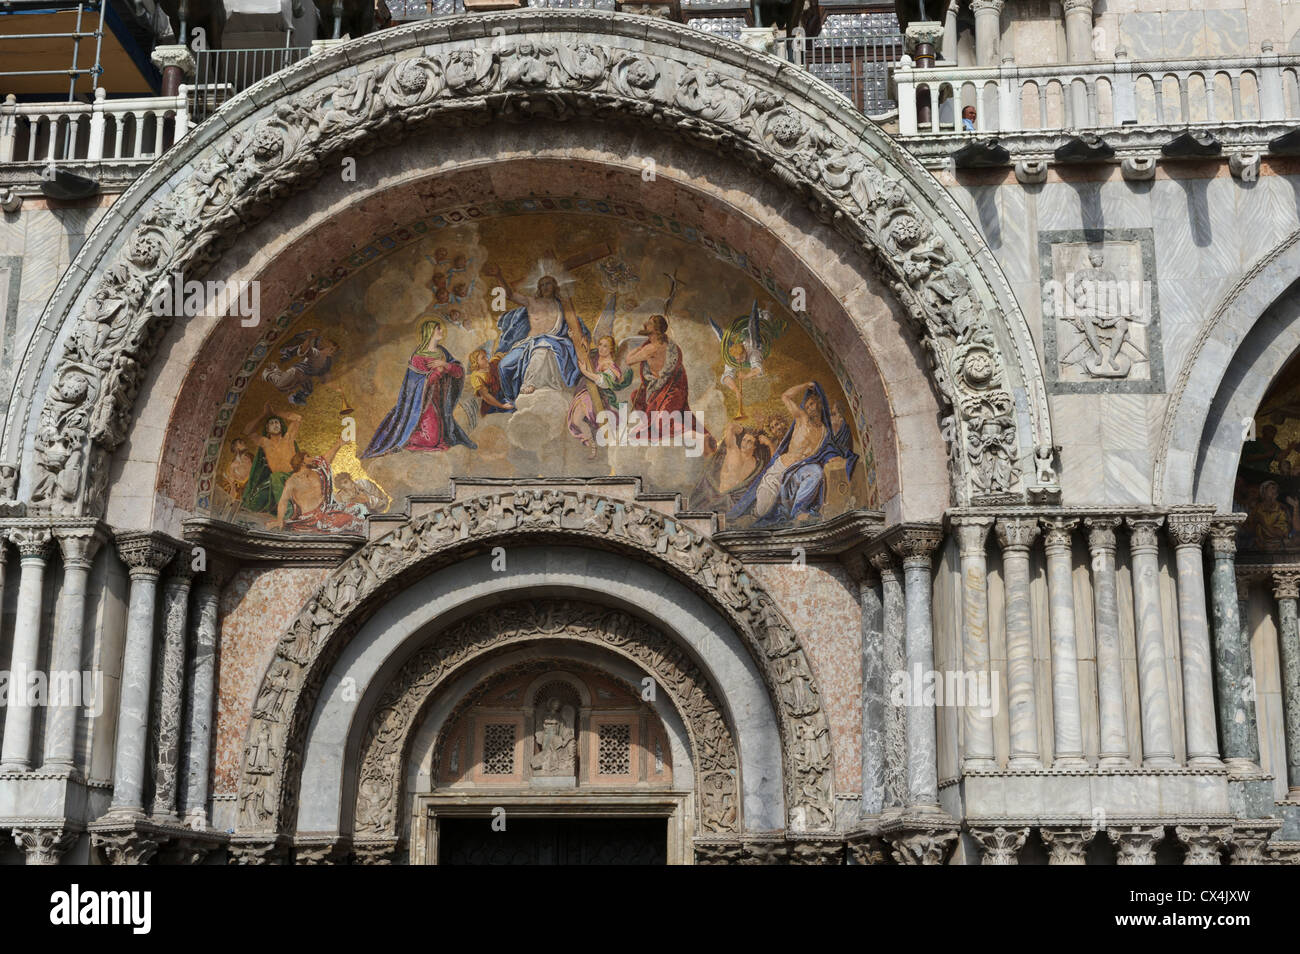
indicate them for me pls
(542, 345)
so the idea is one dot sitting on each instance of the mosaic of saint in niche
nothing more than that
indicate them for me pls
(1268, 477)
(540, 345)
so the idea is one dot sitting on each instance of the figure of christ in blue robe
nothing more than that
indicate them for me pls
(519, 348)
(803, 486)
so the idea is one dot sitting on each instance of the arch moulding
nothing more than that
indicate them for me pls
(305, 654)
(278, 137)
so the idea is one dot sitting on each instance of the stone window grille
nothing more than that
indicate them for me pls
(614, 749)
(499, 748)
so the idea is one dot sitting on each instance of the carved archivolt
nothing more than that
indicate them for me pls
(770, 118)
(282, 710)
(387, 741)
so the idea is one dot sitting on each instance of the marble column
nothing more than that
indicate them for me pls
(977, 720)
(1017, 535)
(78, 545)
(1286, 587)
(1078, 31)
(915, 545)
(1110, 666)
(1188, 530)
(988, 31)
(893, 626)
(1238, 729)
(948, 52)
(1066, 717)
(874, 689)
(1148, 614)
(171, 688)
(202, 697)
(145, 554)
(16, 749)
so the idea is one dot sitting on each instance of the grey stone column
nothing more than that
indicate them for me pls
(171, 689)
(1066, 718)
(79, 545)
(894, 625)
(1110, 666)
(1188, 530)
(33, 545)
(1017, 535)
(988, 31)
(1148, 615)
(915, 545)
(977, 721)
(1286, 587)
(202, 697)
(1235, 695)
(873, 690)
(1078, 31)
(145, 554)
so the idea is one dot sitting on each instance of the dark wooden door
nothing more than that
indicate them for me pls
(553, 841)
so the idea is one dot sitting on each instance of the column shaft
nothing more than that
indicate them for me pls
(1238, 728)
(988, 31)
(1188, 530)
(16, 748)
(202, 701)
(1148, 614)
(1286, 588)
(176, 601)
(1110, 666)
(916, 547)
(1016, 536)
(977, 719)
(78, 546)
(1066, 717)
(1078, 31)
(894, 614)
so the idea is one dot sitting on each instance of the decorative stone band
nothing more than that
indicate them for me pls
(553, 65)
(400, 708)
(287, 695)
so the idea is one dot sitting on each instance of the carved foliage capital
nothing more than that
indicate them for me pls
(916, 545)
(1101, 532)
(145, 554)
(1057, 532)
(1188, 528)
(1223, 537)
(44, 846)
(971, 533)
(1015, 533)
(1067, 846)
(32, 542)
(1144, 532)
(1286, 584)
(1205, 845)
(79, 544)
(1000, 846)
(1135, 845)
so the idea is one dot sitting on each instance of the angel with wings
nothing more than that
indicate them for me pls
(306, 356)
(744, 347)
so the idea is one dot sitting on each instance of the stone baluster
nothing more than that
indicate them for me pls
(916, 545)
(170, 692)
(1110, 666)
(988, 31)
(977, 719)
(202, 695)
(874, 689)
(33, 546)
(1235, 695)
(894, 625)
(1066, 716)
(1286, 588)
(1188, 528)
(1016, 535)
(145, 554)
(1148, 614)
(78, 545)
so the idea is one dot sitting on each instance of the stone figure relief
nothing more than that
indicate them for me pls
(245, 176)
(555, 753)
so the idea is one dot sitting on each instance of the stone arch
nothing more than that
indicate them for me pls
(387, 742)
(288, 694)
(277, 138)
(1238, 353)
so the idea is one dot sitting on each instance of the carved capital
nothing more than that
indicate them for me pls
(252, 850)
(145, 554)
(1187, 528)
(883, 561)
(1078, 6)
(333, 851)
(922, 847)
(44, 846)
(1135, 845)
(1286, 584)
(1067, 846)
(1144, 533)
(132, 847)
(173, 54)
(1000, 846)
(1017, 533)
(1057, 532)
(1205, 845)
(987, 7)
(1249, 845)
(79, 544)
(33, 543)
(916, 545)
(971, 534)
(868, 850)
(1223, 535)
(1101, 533)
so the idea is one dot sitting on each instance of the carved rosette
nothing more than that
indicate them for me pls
(413, 83)
(1000, 846)
(387, 740)
(281, 711)
(1067, 846)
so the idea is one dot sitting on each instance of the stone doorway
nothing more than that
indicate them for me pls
(553, 841)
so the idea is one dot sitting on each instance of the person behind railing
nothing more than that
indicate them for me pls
(968, 119)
